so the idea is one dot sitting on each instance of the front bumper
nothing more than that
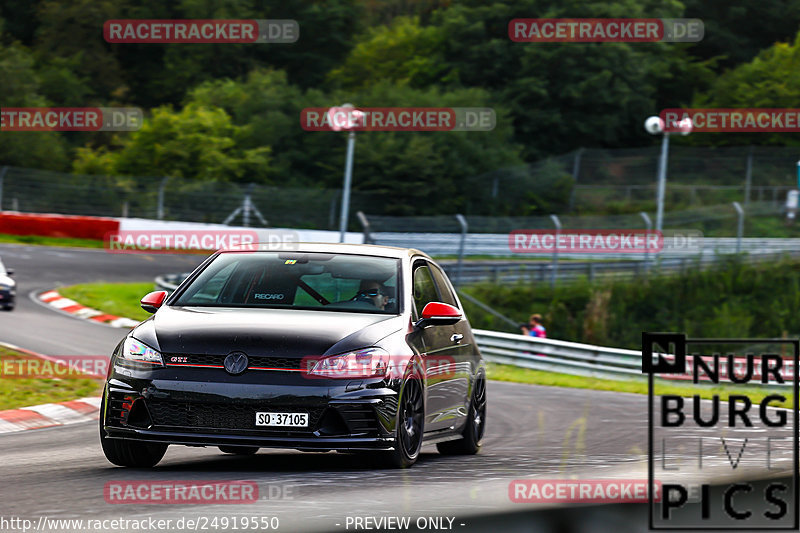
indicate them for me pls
(7, 296)
(342, 415)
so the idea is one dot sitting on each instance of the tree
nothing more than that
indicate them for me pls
(732, 33)
(196, 142)
(770, 80)
(560, 95)
(404, 52)
(20, 88)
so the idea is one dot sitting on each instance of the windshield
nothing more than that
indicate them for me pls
(353, 283)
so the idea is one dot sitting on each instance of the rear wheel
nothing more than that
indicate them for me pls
(131, 453)
(470, 443)
(410, 426)
(239, 450)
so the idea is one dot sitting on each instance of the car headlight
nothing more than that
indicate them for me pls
(366, 363)
(4, 287)
(138, 352)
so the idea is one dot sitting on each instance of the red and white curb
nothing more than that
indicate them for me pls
(54, 299)
(50, 414)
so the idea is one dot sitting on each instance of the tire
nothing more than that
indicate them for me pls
(472, 435)
(130, 453)
(9, 307)
(410, 426)
(239, 450)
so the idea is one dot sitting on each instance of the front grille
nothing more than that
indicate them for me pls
(224, 416)
(255, 362)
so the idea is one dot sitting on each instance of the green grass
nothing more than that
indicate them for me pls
(24, 392)
(50, 241)
(121, 299)
(537, 377)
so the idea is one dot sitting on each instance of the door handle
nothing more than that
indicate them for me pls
(456, 337)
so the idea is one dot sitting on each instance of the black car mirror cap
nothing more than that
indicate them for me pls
(439, 314)
(9, 272)
(153, 301)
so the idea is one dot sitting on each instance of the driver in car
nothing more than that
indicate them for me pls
(373, 292)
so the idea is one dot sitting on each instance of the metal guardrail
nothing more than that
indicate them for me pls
(572, 358)
(496, 244)
(564, 357)
(519, 271)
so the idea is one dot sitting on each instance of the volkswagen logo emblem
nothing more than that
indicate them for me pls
(235, 363)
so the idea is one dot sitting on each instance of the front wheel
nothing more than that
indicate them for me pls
(410, 426)
(470, 443)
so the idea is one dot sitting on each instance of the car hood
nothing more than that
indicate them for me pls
(5, 280)
(263, 332)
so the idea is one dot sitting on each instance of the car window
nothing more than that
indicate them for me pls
(337, 282)
(332, 289)
(424, 288)
(445, 293)
(210, 291)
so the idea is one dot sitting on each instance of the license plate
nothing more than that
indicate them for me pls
(294, 420)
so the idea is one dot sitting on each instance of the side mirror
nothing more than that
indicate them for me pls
(439, 314)
(153, 301)
(9, 272)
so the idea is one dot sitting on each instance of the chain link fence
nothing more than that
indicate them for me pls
(584, 182)
(594, 180)
(156, 197)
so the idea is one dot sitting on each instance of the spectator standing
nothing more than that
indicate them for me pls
(535, 327)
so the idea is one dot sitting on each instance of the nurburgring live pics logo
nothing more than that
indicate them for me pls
(749, 433)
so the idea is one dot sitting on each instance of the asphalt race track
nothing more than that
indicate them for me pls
(532, 432)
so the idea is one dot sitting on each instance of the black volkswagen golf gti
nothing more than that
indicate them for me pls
(322, 347)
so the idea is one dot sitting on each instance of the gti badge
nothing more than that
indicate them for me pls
(235, 363)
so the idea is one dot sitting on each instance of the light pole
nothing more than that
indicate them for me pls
(654, 125)
(352, 117)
